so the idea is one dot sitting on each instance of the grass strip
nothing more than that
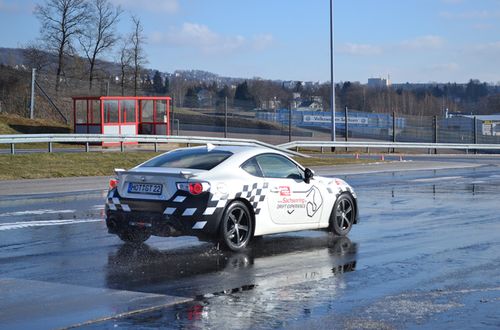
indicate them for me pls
(313, 161)
(57, 165)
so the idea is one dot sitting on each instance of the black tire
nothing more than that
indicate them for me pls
(343, 215)
(134, 235)
(236, 226)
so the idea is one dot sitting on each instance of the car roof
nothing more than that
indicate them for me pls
(246, 150)
(240, 153)
(243, 153)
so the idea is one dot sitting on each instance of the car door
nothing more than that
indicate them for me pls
(290, 199)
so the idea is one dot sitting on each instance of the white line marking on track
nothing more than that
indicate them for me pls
(35, 212)
(444, 178)
(28, 224)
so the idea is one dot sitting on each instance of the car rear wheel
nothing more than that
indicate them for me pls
(236, 226)
(343, 215)
(134, 235)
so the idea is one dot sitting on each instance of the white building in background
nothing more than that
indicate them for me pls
(379, 82)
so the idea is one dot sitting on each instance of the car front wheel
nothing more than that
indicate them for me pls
(236, 226)
(343, 215)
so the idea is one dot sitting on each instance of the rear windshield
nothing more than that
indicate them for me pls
(199, 159)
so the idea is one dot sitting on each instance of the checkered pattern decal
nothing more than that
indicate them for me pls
(341, 188)
(115, 204)
(254, 193)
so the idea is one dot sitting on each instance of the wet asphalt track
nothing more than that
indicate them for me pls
(426, 254)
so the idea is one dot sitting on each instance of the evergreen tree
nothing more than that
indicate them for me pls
(166, 86)
(158, 87)
(225, 92)
(191, 98)
(243, 97)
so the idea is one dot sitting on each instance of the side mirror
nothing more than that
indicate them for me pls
(308, 175)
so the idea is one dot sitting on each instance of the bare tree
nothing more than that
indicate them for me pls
(137, 50)
(36, 57)
(61, 21)
(125, 55)
(99, 35)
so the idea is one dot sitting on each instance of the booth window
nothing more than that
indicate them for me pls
(161, 111)
(81, 111)
(147, 111)
(95, 111)
(128, 111)
(111, 111)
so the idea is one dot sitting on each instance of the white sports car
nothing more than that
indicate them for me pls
(227, 193)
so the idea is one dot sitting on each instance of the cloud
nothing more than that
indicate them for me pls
(263, 41)
(483, 26)
(488, 47)
(446, 67)
(470, 15)
(359, 49)
(423, 42)
(11, 7)
(453, 2)
(199, 36)
(167, 6)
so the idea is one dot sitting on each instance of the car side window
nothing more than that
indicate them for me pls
(277, 166)
(251, 167)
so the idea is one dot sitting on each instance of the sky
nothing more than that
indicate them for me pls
(408, 40)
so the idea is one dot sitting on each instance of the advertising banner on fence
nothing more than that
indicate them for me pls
(317, 119)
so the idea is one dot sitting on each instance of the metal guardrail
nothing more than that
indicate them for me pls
(389, 145)
(87, 139)
(123, 139)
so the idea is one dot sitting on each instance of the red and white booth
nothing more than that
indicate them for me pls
(129, 115)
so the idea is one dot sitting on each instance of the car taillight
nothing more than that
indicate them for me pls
(194, 188)
(113, 183)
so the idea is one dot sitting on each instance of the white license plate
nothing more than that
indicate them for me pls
(144, 188)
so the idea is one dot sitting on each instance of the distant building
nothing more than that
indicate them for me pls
(311, 105)
(271, 104)
(379, 82)
(290, 84)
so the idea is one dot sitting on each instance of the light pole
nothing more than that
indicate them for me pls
(332, 76)
(32, 105)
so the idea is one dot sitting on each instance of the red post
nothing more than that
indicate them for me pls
(168, 117)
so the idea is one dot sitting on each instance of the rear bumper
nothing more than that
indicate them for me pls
(183, 214)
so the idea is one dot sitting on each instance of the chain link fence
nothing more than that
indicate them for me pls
(352, 124)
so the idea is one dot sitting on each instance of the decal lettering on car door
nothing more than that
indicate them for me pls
(296, 203)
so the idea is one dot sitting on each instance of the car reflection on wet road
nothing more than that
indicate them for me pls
(426, 253)
(196, 272)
